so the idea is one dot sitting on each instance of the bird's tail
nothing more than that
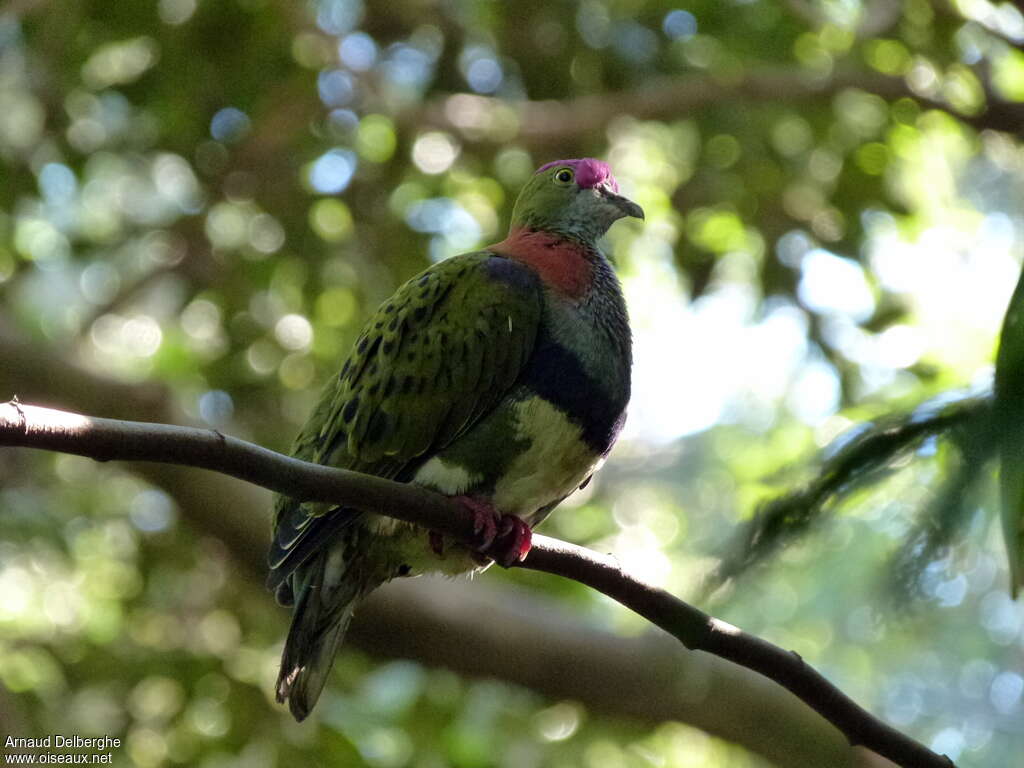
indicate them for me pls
(323, 609)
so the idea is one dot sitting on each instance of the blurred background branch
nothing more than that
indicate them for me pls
(543, 125)
(200, 202)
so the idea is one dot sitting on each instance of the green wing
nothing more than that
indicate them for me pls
(434, 359)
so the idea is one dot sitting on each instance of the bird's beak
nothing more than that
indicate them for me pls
(624, 204)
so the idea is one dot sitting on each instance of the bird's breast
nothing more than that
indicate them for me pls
(582, 375)
(556, 460)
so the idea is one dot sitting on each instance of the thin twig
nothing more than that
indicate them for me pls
(109, 439)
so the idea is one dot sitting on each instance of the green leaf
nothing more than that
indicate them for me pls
(1008, 412)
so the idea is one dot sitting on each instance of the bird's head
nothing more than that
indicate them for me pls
(579, 198)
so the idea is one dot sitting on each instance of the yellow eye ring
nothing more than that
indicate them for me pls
(564, 176)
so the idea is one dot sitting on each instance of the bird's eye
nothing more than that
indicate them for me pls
(564, 176)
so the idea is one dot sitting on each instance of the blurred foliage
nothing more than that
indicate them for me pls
(1009, 380)
(212, 195)
(866, 455)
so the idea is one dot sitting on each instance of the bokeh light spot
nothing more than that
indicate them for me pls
(831, 283)
(679, 24)
(152, 510)
(294, 332)
(484, 75)
(375, 138)
(1006, 690)
(330, 219)
(434, 152)
(216, 407)
(337, 17)
(57, 183)
(332, 172)
(120, 63)
(358, 51)
(336, 87)
(266, 234)
(229, 125)
(175, 12)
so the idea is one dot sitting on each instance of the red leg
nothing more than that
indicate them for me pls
(513, 543)
(504, 538)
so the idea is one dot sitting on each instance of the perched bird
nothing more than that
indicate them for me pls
(498, 377)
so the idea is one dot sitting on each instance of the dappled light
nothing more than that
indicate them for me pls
(202, 203)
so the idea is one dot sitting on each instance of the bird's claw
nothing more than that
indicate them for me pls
(485, 521)
(513, 542)
(506, 539)
(485, 528)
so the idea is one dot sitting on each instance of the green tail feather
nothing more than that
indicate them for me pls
(307, 660)
(324, 605)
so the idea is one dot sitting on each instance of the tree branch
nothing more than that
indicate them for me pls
(541, 124)
(109, 439)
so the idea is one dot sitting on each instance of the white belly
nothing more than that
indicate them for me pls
(554, 465)
(556, 462)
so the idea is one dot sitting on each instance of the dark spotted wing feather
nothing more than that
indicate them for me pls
(434, 359)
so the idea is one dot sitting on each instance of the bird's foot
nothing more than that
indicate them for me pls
(506, 539)
(486, 520)
(485, 526)
(513, 543)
